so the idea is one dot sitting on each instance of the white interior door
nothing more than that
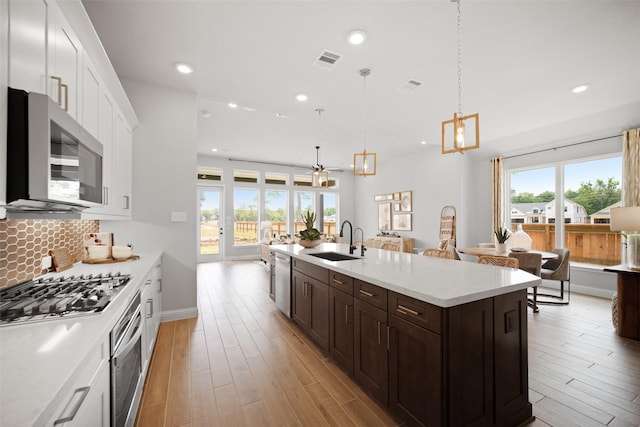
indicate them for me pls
(210, 228)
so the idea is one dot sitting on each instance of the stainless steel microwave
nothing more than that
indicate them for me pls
(53, 164)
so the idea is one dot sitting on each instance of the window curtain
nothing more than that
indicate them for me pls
(496, 197)
(631, 167)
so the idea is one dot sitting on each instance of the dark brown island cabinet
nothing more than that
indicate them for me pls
(431, 366)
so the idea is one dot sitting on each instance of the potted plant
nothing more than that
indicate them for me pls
(310, 237)
(502, 235)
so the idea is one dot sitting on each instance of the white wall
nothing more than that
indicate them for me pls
(345, 195)
(164, 168)
(434, 180)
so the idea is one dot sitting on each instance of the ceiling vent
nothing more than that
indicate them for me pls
(327, 59)
(409, 86)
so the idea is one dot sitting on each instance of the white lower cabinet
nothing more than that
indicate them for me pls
(151, 300)
(88, 401)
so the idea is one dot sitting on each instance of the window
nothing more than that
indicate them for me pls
(304, 201)
(275, 178)
(245, 176)
(210, 174)
(591, 187)
(330, 213)
(302, 180)
(276, 204)
(245, 216)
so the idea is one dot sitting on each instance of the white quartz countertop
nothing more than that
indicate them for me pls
(441, 282)
(38, 360)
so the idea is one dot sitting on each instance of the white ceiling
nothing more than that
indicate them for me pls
(520, 60)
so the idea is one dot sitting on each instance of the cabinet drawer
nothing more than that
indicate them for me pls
(419, 312)
(374, 295)
(311, 270)
(341, 281)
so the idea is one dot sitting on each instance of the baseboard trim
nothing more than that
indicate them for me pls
(185, 313)
(594, 292)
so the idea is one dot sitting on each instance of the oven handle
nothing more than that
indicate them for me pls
(130, 342)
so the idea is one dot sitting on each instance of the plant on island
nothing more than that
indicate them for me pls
(502, 234)
(309, 218)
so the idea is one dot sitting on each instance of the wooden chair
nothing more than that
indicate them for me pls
(531, 263)
(389, 246)
(558, 269)
(500, 261)
(438, 253)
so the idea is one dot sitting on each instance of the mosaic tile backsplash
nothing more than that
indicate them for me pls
(23, 243)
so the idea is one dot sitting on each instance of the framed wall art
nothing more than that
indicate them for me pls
(384, 216)
(405, 201)
(402, 221)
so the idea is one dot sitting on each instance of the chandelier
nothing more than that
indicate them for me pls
(458, 132)
(364, 164)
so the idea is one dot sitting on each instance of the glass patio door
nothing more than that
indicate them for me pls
(211, 228)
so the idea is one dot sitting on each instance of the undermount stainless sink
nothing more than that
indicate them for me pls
(334, 256)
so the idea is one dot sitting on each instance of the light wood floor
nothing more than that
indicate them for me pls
(242, 363)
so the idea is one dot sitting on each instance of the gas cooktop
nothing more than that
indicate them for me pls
(59, 298)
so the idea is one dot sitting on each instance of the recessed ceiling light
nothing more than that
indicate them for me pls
(302, 97)
(357, 37)
(183, 68)
(206, 114)
(214, 150)
(423, 142)
(579, 89)
(232, 105)
(282, 116)
(248, 109)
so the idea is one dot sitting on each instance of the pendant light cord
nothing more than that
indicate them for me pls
(364, 74)
(459, 60)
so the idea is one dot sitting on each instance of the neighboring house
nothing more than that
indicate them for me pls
(545, 213)
(603, 216)
(529, 213)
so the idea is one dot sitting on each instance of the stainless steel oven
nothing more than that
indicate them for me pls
(126, 365)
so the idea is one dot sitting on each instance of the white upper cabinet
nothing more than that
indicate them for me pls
(28, 45)
(122, 167)
(90, 96)
(45, 55)
(64, 59)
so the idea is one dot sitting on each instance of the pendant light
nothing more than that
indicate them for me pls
(364, 164)
(319, 175)
(460, 130)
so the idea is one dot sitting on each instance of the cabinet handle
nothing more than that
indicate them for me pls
(336, 281)
(379, 325)
(76, 407)
(365, 293)
(150, 302)
(59, 80)
(404, 310)
(125, 200)
(148, 282)
(309, 290)
(105, 195)
(66, 97)
(304, 289)
(159, 285)
(346, 314)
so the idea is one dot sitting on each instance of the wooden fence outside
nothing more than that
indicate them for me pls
(588, 243)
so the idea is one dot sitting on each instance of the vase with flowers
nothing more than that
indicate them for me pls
(309, 237)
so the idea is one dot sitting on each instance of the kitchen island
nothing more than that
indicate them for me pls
(439, 342)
